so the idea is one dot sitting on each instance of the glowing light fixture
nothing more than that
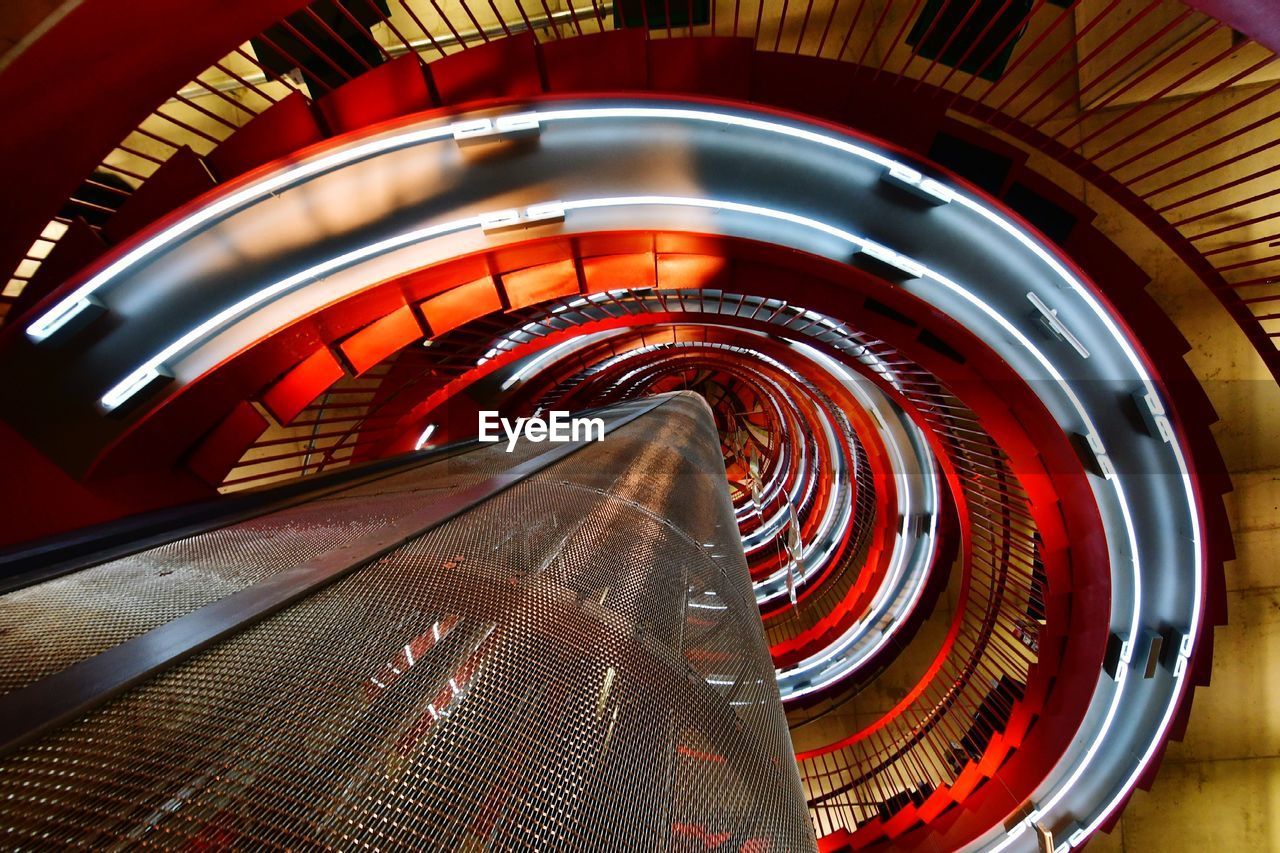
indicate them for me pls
(77, 304)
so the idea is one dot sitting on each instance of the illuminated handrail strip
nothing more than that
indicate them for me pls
(139, 378)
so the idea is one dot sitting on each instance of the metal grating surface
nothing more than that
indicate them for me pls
(577, 663)
(49, 626)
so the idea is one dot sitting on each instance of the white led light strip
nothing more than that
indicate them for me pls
(76, 301)
(921, 555)
(153, 367)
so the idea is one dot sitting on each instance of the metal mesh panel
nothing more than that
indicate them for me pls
(575, 664)
(51, 625)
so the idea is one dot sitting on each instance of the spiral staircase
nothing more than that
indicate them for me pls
(902, 250)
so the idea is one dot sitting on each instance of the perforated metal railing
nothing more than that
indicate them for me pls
(530, 674)
(1166, 108)
(99, 607)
